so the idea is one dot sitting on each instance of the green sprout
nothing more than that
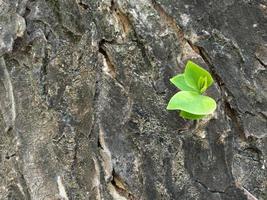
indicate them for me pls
(193, 83)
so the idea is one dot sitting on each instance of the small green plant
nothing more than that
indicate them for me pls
(193, 83)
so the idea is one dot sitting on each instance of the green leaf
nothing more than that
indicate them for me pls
(192, 102)
(193, 73)
(180, 83)
(187, 115)
(202, 84)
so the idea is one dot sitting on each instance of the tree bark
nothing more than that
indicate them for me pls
(84, 86)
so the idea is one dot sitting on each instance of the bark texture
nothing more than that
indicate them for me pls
(84, 86)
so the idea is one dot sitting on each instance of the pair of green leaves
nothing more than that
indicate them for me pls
(193, 83)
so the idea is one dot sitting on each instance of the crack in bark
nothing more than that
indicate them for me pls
(261, 62)
(105, 155)
(10, 156)
(208, 61)
(254, 150)
(74, 159)
(26, 189)
(169, 20)
(115, 182)
(208, 189)
(122, 18)
(109, 67)
(43, 75)
(7, 103)
(238, 125)
(127, 27)
(232, 113)
(9, 130)
(120, 186)
(99, 144)
(171, 23)
(83, 5)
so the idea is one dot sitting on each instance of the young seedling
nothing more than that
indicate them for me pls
(193, 83)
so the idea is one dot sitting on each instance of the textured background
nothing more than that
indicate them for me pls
(84, 86)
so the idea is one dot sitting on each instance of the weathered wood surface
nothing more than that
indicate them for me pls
(83, 91)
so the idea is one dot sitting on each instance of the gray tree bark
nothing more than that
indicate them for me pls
(84, 86)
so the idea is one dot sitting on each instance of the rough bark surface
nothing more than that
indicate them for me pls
(83, 91)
